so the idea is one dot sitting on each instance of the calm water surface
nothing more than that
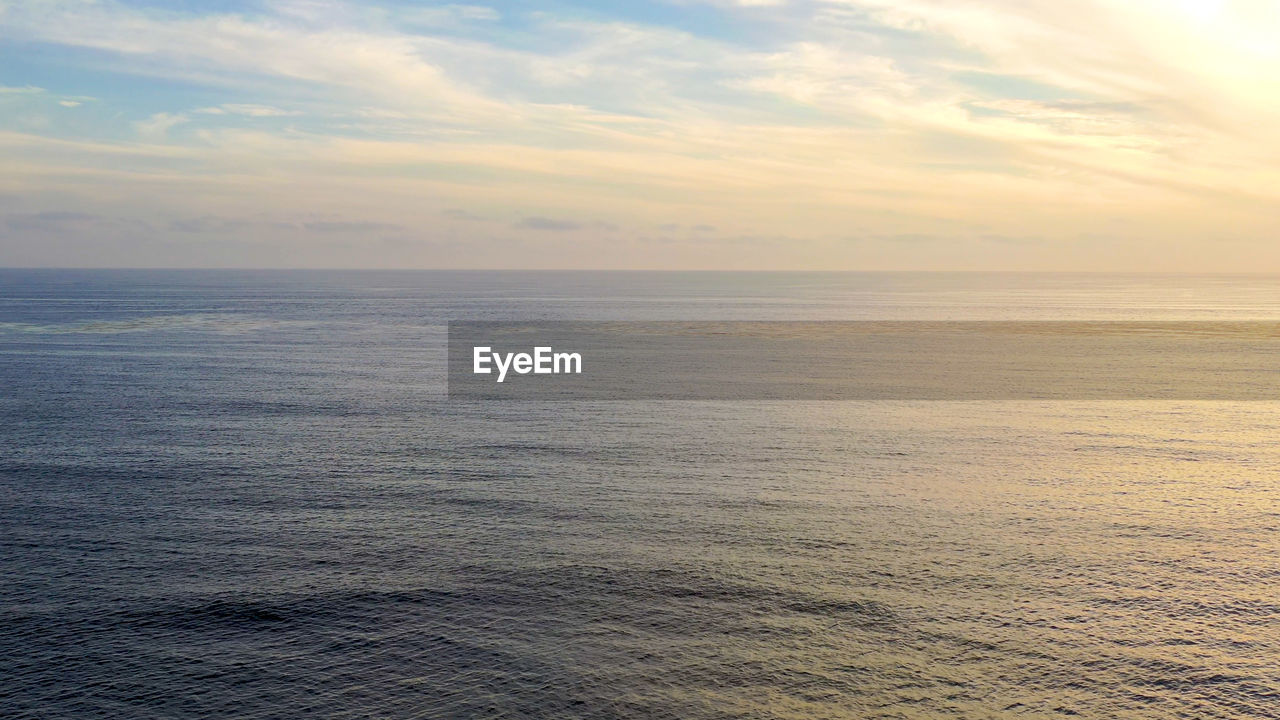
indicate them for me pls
(230, 494)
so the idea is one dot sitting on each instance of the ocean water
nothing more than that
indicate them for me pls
(246, 495)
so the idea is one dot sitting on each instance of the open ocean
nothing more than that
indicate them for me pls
(230, 494)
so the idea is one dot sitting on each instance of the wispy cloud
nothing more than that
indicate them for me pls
(542, 223)
(257, 111)
(158, 125)
(48, 220)
(811, 121)
(349, 226)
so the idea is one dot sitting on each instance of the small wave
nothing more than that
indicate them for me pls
(203, 322)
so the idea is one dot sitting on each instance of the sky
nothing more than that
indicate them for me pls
(1091, 135)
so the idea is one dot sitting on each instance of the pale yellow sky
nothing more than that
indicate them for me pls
(850, 134)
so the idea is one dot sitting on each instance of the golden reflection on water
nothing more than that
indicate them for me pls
(1013, 559)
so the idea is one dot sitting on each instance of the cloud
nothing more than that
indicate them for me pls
(348, 226)
(248, 110)
(449, 14)
(897, 118)
(476, 12)
(542, 223)
(158, 125)
(318, 47)
(217, 224)
(48, 220)
(214, 224)
(558, 225)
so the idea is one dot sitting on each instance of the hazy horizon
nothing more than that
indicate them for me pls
(699, 134)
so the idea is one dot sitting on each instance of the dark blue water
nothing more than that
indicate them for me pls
(231, 494)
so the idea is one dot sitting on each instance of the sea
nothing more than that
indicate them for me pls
(248, 494)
